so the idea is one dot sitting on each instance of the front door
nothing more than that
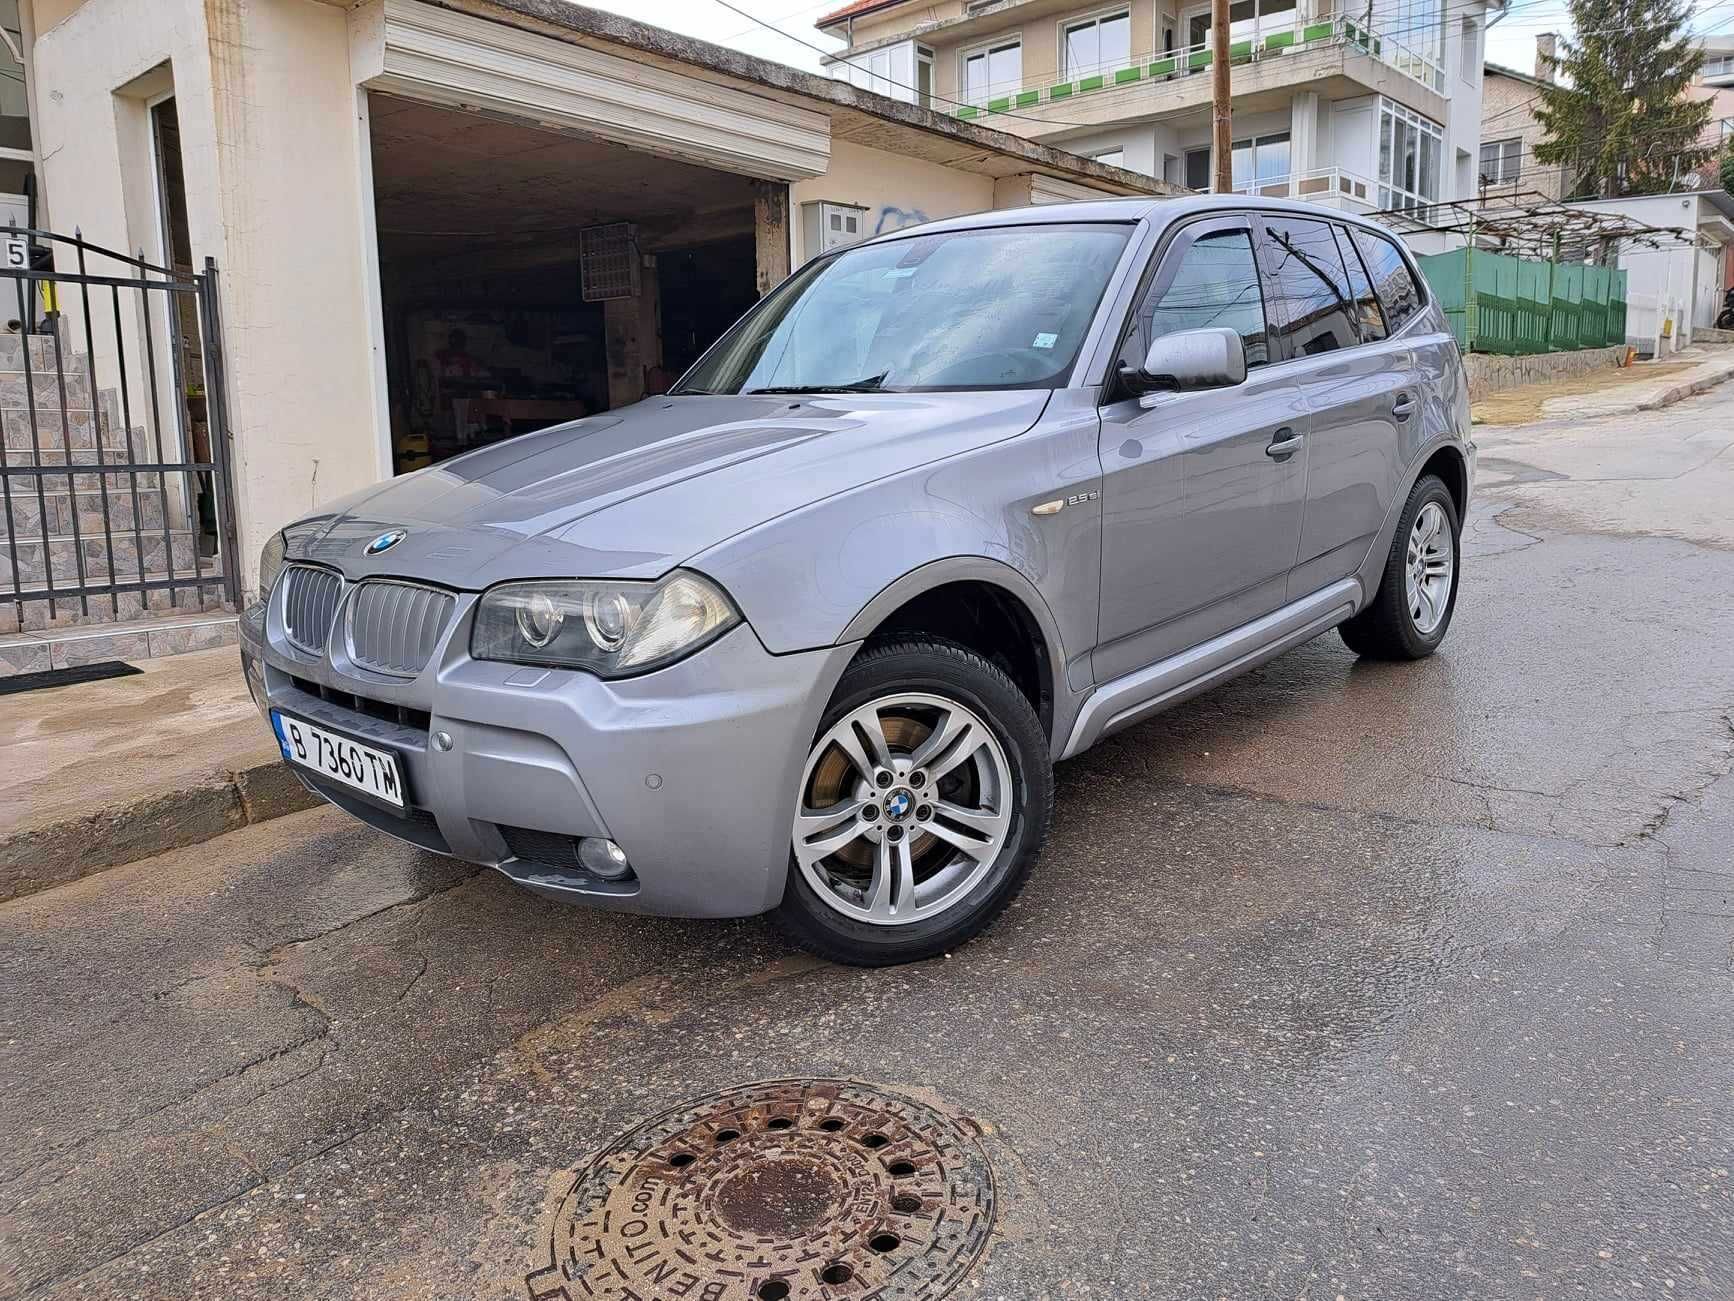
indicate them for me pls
(1202, 492)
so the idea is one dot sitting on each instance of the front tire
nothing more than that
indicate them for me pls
(1410, 613)
(923, 805)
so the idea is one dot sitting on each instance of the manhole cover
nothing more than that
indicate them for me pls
(794, 1189)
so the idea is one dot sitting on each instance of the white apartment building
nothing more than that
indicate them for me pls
(1360, 104)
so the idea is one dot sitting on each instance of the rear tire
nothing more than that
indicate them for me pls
(957, 849)
(1411, 612)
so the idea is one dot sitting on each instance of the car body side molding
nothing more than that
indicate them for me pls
(1139, 694)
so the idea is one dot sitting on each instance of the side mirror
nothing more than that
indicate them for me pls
(1192, 359)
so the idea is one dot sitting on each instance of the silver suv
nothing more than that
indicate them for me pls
(808, 633)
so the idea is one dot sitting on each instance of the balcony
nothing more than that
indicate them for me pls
(1331, 187)
(1282, 53)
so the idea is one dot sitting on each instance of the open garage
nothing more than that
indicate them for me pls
(529, 276)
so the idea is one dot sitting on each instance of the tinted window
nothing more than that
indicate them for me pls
(1368, 319)
(1397, 291)
(1210, 280)
(1311, 286)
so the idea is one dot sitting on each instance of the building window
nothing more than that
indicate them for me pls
(1260, 160)
(993, 71)
(1198, 169)
(1502, 162)
(1099, 44)
(1112, 157)
(1409, 150)
(1248, 20)
(1471, 51)
(924, 76)
(1720, 66)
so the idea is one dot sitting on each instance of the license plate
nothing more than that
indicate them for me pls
(338, 758)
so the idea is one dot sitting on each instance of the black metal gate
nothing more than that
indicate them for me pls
(114, 438)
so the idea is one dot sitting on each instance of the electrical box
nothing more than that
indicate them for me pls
(826, 226)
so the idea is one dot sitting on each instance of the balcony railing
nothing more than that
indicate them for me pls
(1334, 187)
(1169, 65)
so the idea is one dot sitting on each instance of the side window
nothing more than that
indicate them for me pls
(1315, 308)
(1368, 318)
(1207, 280)
(1397, 291)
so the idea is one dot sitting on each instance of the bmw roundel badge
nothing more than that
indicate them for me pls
(385, 542)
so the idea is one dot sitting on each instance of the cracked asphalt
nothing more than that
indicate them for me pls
(1345, 980)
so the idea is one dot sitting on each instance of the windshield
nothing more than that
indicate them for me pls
(996, 308)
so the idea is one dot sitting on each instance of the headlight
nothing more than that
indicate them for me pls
(610, 629)
(271, 564)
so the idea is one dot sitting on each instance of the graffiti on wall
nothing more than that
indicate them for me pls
(897, 218)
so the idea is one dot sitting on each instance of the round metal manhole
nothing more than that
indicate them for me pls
(793, 1190)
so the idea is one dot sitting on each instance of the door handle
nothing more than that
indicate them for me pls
(1284, 444)
(1404, 407)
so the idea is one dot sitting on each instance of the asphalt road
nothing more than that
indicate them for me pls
(1343, 981)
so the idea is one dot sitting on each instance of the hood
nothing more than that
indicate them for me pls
(633, 493)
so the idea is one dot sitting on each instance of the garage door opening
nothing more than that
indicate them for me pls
(530, 277)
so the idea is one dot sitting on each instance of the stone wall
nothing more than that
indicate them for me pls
(1489, 374)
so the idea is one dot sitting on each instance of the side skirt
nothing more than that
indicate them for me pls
(1138, 695)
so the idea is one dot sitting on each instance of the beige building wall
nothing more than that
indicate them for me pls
(895, 191)
(274, 165)
(1507, 111)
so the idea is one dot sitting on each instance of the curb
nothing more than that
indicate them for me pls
(56, 853)
(1689, 389)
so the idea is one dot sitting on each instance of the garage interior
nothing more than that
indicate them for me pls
(530, 277)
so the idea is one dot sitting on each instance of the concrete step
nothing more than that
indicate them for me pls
(59, 556)
(59, 648)
(27, 510)
(32, 614)
(85, 792)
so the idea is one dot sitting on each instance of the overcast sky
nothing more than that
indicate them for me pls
(1511, 41)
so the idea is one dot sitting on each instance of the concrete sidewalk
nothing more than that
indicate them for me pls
(103, 773)
(1711, 365)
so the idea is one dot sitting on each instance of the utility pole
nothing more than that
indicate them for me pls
(1221, 114)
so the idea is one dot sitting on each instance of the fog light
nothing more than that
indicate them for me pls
(603, 858)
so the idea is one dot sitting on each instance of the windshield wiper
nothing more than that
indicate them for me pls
(869, 385)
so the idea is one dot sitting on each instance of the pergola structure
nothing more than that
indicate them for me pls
(1528, 222)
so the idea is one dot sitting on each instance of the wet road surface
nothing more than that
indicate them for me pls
(1344, 980)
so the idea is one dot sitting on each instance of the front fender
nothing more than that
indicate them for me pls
(830, 572)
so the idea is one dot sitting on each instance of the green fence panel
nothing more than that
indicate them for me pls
(1521, 306)
(1534, 294)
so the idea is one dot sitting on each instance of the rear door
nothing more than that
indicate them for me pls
(1358, 383)
(1202, 492)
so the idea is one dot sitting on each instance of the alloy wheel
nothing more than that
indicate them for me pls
(906, 804)
(1431, 567)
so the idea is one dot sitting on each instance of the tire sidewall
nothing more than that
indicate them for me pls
(954, 674)
(1429, 489)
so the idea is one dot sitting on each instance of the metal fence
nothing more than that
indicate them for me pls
(1519, 306)
(114, 438)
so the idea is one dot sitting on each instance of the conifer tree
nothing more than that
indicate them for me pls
(1618, 116)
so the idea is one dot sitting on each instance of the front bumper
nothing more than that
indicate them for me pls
(693, 770)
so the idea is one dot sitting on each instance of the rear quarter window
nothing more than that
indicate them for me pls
(1399, 294)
